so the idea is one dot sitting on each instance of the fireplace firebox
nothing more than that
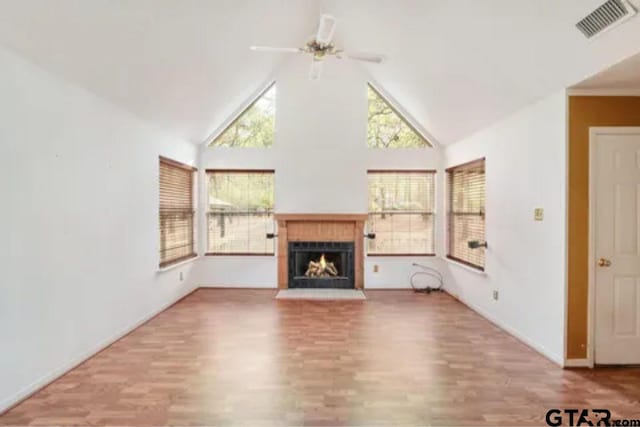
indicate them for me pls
(321, 265)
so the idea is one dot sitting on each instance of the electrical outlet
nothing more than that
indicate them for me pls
(181, 276)
(538, 214)
(495, 295)
(376, 268)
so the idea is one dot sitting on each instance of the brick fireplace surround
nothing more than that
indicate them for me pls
(320, 228)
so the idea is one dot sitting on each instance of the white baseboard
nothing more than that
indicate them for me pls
(71, 364)
(272, 286)
(558, 359)
(578, 363)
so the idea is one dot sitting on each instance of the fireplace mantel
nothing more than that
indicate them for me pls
(320, 227)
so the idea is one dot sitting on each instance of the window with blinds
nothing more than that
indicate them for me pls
(176, 215)
(401, 212)
(240, 212)
(466, 199)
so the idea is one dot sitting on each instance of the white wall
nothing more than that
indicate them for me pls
(321, 131)
(79, 209)
(525, 168)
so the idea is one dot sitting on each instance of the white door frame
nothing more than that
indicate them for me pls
(591, 309)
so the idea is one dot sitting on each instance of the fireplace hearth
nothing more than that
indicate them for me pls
(321, 265)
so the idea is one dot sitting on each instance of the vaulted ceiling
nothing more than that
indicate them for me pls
(456, 66)
(621, 78)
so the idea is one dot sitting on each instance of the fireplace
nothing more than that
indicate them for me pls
(344, 232)
(321, 265)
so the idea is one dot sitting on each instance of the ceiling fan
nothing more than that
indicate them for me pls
(322, 46)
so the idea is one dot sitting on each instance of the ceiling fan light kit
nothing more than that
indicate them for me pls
(320, 47)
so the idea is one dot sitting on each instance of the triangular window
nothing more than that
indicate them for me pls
(255, 126)
(387, 128)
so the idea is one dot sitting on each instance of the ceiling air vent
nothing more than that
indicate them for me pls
(603, 18)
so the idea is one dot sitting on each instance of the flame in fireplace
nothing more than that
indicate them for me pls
(321, 268)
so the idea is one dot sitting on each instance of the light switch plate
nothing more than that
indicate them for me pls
(538, 214)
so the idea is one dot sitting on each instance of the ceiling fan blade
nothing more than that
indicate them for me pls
(326, 28)
(367, 57)
(316, 70)
(276, 49)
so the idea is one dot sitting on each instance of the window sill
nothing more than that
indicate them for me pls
(239, 254)
(464, 266)
(401, 255)
(177, 264)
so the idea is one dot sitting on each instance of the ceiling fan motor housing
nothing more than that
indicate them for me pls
(320, 50)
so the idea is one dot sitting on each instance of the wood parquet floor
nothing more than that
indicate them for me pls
(239, 357)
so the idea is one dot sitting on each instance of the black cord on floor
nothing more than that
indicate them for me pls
(427, 271)
(427, 290)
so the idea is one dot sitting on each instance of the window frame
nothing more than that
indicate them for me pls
(193, 171)
(245, 171)
(434, 173)
(450, 213)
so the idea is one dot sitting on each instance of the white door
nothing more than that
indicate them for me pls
(616, 250)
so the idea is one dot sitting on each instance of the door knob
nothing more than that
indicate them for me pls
(603, 262)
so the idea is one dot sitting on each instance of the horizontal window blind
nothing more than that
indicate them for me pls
(466, 216)
(240, 212)
(176, 212)
(401, 212)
